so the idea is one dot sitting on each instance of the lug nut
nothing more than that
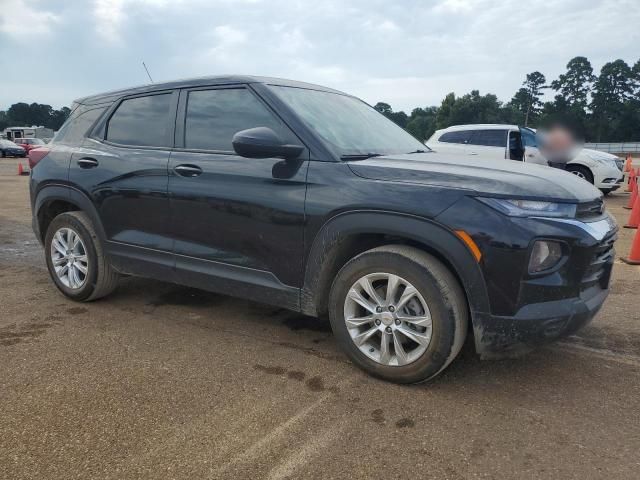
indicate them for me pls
(377, 321)
(388, 329)
(397, 322)
(378, 309)
(392, 308)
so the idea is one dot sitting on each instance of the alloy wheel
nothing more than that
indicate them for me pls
(388, 319)
(69, 258)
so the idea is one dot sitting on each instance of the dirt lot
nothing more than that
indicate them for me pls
(160, 381)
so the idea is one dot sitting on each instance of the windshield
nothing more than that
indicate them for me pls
(36, 141)
(351, 126)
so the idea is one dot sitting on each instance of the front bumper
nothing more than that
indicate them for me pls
(541, 318)
(535, 325)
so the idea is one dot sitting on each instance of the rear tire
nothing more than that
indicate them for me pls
(434, 284)
(582, 172)
(98, 279)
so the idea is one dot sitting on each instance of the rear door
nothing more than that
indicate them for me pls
(123, 169)
(234, 218)
(488, 143)
(452, 142)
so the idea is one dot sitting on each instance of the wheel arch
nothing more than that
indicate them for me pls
(349, 234)
(53, 200)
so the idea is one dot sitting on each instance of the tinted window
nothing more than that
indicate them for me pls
(141, 121)
(461, 136)
(76, 127)
(528, 138)
(489, 138)
(214, 116)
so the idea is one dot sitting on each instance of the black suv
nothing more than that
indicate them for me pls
(304, 197)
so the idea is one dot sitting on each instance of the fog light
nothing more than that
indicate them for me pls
(544, 255)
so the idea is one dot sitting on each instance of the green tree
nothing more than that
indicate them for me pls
(422, 122)
(612, 91)
(527, 100)
(575, 84)
(399, 118)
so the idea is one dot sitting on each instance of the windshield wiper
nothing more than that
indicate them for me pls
(360, 156)
(418, 151)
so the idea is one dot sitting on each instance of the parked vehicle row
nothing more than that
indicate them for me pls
(511, 142)
(307, 198)
(10, 149)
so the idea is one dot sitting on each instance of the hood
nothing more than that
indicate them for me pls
(502, 178)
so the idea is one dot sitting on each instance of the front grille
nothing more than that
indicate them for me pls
(589, 210)
(599, 268)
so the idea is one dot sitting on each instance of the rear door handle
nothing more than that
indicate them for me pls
(186, 170)
(87, 162)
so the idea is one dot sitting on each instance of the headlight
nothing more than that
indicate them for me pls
(531, 208)
(545, 254)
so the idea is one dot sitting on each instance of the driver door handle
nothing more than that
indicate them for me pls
(187, 170)
(87, 162)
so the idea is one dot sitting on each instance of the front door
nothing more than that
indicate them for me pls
(234, 218)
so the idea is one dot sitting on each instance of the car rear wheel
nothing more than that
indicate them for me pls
(582, 172)
(76, 260)
(398, 313)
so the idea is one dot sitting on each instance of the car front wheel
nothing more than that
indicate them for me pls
(582, 172)
(398, 313)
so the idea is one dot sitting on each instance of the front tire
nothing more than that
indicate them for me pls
(398, 313)
(76, 260)
(582, 172)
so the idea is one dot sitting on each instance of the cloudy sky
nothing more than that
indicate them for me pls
(408, 53)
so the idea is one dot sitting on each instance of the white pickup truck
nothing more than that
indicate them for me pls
(511, 142)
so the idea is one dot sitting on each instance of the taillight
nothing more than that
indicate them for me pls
(37, 154)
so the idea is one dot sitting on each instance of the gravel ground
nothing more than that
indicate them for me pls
(161, 381)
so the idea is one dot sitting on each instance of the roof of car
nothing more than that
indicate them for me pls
(196, 82)
(478, 126)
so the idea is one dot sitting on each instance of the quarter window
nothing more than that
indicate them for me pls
(214, 116)
(141, 121)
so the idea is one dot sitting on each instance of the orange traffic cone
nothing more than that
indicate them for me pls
(631, 176)
(20, 169)
(634, 254)
(634, 218)
(627, 163)
(634, 193)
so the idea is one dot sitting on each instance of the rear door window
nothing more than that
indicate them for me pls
(213, 117)
(141, 121)
(460, 136)
(489, 138)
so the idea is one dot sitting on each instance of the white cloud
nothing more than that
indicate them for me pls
(454, 6)
(409, 53)
(111, 15)
(20, 21)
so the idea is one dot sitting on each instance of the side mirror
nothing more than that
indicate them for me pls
(262, 142)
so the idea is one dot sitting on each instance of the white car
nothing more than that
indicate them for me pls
(511, 142)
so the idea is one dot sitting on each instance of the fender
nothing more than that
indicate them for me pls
(69, 194)
(426, 232)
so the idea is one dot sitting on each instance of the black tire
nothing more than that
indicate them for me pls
(101, 278)
(582, 172)
(3, 154)
(434, 281)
